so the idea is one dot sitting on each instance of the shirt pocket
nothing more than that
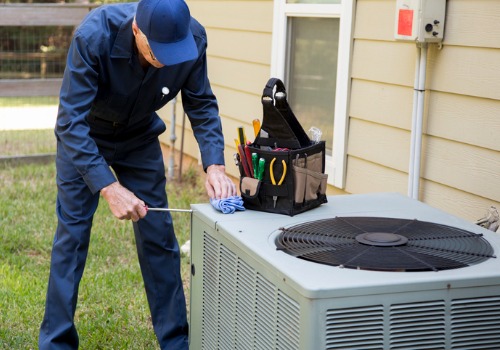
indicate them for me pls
(161, 98)
(113, 108)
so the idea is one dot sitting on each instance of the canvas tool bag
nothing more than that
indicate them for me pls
(281, 137)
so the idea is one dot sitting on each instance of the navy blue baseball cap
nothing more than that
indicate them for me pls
(166, 24)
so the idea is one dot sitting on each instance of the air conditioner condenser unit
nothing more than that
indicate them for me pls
(373, 271)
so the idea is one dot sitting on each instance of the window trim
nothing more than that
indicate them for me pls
(335, 164)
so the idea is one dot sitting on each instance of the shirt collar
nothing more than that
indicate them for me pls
(123, 45)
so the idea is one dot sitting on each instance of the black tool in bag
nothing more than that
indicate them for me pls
(289, 174)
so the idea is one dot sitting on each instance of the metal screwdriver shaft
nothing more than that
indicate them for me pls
(170, 210)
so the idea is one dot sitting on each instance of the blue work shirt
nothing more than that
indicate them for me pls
(107, 98)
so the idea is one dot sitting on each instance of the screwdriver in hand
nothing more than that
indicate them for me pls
(169, 209)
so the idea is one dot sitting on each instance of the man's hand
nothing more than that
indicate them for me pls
(123, 203)
(217, 184)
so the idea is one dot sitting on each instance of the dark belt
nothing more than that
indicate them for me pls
(106, 123)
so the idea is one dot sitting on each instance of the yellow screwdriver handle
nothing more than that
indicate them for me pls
(256, 126)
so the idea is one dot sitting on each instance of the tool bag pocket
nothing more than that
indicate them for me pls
(250, 188)
(293, 179)
(309, 184)
(264, 195)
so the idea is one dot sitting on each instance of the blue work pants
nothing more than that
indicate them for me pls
(138, 167)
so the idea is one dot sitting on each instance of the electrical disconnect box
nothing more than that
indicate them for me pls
(421, 21)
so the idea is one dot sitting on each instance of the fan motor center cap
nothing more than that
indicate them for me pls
(381, 239)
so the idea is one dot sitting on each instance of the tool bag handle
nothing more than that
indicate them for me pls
(282, 127)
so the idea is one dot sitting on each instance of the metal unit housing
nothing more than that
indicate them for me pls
(245, 294)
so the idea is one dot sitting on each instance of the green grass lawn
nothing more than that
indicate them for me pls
(112, 311)
(27, 142)
(29, 101)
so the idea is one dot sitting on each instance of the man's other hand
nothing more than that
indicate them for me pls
(218, 184)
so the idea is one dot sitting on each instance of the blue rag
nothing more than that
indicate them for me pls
(228, 205)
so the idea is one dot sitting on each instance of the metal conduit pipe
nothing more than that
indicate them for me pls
(173, 137)
(413, 122)
(417, 122)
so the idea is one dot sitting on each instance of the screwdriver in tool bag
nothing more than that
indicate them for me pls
(262, 165)
(255, 163)
(256, 126)
(244, 161)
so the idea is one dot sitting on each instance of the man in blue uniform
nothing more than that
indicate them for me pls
(125, 62)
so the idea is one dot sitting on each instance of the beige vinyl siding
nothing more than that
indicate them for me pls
(466, 71)
(470, 120)
(239, 56)
(461, 145)
(367, 177)
(379, 143)
(464, 167)
(381, 103)
(461, 148)
(473, 23)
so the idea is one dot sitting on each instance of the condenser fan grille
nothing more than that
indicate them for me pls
(384, 244)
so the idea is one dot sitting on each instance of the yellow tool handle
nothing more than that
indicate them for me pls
(284, 172)
(256, 126)
(271, 172)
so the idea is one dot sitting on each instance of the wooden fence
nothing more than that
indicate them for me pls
(38, 15)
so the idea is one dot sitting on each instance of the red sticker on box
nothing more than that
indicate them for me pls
(405, 22)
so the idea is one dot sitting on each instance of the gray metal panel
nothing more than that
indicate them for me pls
(255, 233)
(329, 307)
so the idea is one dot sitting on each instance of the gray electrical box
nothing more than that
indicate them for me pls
(421, 21)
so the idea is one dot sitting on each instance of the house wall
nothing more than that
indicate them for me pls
(461, 143)
(239, 56)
